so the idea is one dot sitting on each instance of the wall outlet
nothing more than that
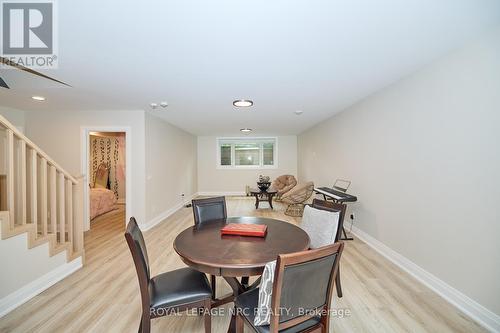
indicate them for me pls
(352, 216)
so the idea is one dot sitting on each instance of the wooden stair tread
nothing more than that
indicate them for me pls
(75, 254)
(8, 232)
(53, 250)
(39, 240)
(35, 239)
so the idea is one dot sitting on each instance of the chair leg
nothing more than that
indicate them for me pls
(239, 323)
(337, 283)
(244, 280)
(256, 283)
(325, 324)
(208, 317)
(213, 283)
(145, 326)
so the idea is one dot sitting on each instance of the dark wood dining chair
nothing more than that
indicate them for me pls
(303, 284)
(334, 207)
(177, 290)
(207, 210)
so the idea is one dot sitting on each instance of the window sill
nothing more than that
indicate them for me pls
(246, 167)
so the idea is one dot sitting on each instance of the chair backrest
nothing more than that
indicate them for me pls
(332, 207)
(284, 181)
(321, 226)
(303, 285)
(299, 193)
(209, 209)
(137, 247)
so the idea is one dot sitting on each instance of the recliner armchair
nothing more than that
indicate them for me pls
(297, 197)
(283, 184)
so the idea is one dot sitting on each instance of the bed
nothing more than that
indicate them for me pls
(102, 199)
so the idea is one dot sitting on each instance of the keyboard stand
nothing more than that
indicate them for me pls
(345, 235)
(343, 229)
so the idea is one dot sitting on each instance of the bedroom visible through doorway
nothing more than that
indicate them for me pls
(106, 176)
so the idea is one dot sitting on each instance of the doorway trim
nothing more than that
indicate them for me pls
(85, 149)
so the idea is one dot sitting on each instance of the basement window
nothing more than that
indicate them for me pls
(251, 153)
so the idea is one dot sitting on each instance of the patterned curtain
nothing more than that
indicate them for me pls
(110, 151)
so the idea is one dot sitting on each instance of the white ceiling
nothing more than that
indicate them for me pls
(315, 56)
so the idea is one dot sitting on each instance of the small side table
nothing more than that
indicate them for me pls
(263, 196)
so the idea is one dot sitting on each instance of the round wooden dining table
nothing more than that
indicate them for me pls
(203, 248)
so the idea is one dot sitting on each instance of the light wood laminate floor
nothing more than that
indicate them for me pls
(104, 295)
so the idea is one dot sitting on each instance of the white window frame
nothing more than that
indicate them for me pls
(234, 140)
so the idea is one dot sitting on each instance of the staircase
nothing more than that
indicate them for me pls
(38, 197)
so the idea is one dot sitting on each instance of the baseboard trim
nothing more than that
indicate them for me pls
(162, 216)
(473, 309)
(24, 294)
(237, 193)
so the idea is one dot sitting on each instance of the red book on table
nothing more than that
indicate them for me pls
(240, 229)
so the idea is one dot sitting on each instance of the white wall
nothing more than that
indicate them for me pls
(424, 159)
(24, 265)
(14, 116)
(58, 133)
(170, 167)
(213, 180)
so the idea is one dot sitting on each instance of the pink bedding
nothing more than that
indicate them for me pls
(101, 201)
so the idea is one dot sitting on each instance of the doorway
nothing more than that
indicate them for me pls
(106, 168)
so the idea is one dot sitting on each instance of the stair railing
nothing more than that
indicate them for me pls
(36, 190)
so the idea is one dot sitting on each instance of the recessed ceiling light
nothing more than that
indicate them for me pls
(246, 130)
(153, 105)
(299, 112)
(242, 103)
(38, 98)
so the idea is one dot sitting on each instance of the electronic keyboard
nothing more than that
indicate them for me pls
(336, 195)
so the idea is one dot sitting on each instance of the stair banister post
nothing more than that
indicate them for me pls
(22, 171)
(78, 215)
(10, 177)
(61, 205)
